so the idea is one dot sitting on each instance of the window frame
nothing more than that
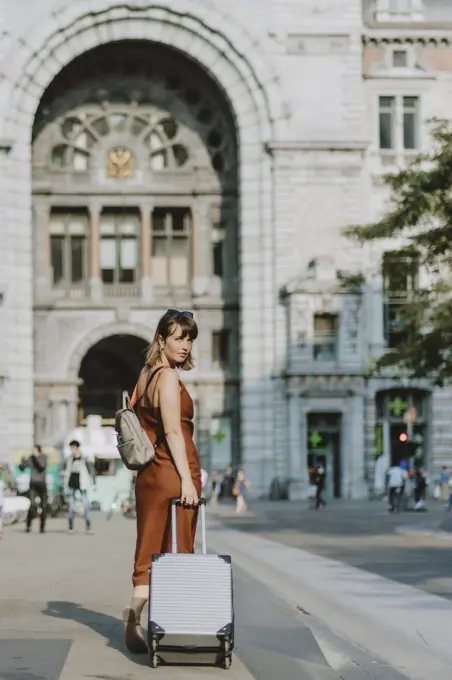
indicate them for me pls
(221, 362)
(399, 109)
(66, 237)
(326, 338)
(394, 7)
(117, 237)
(168, 234)
(218, 237)
(394, 300)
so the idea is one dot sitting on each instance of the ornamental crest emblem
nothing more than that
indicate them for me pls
(120, 163)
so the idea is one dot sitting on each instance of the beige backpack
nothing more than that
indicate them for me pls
(133, 444)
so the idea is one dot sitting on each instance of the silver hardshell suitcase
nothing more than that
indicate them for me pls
(191, 617)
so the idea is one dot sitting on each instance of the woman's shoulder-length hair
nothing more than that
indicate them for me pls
(166, 327)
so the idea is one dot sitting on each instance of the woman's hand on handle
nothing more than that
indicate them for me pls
(188, 495)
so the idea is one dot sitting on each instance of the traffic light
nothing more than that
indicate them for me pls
(403, 437)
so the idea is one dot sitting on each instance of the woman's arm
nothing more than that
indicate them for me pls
(169, 401)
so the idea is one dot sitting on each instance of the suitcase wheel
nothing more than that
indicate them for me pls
(226, 663)
(153, 660)
(227, 651)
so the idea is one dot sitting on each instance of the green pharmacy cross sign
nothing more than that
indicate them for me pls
(315, 438)
(219, 436)
(398, 406)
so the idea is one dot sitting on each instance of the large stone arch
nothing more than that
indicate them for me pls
(236, 61)
(82, 345)
(35, 59)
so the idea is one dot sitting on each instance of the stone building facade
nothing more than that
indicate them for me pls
(183, 156)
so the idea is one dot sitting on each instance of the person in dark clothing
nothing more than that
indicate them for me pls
(78, 474)
(320, 481)
(227, 486)
(37, 463)
(420, 487)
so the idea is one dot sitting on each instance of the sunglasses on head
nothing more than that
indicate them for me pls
(176, 312)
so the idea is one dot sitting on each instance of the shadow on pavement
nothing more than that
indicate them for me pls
(108, 626)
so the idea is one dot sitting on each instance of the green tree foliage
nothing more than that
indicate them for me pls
(421, 214)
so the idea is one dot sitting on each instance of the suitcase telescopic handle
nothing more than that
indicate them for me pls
(202, 504)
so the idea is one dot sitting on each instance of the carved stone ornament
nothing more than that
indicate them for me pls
(120, 163)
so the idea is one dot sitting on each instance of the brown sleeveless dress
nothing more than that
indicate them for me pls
(158, 483)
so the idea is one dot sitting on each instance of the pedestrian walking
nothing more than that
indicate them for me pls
(396, 482)
(312, 487)
(227, 485)
(215, 488)
(449, 503)
(320, 483)
(420, 488)
(37, 464)
(165, 410)
(78, 472)
(2, 495)
(240, 488)
(444, 483)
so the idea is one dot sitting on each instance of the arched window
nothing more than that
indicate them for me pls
(149, 154)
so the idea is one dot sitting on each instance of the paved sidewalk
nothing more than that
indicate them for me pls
(408, 628)
(61, 598)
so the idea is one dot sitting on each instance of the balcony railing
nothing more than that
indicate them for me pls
(121, 290)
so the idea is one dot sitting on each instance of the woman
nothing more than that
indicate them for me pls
(165, 411)
(241, 485)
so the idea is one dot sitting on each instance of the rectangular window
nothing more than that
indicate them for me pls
(108, 259)
(119, 256)
(57, 247)
(77, 259)
(68, 231)
(220, 348)
(410, 122)
(171, 247)
(400, 282)
(400, 6)
(387, 122)
(218, 250)
(400, 59)
(399, 123)
(325, 337)
(400, 274)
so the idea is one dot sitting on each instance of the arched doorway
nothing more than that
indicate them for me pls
(110, 368)
(135, 199)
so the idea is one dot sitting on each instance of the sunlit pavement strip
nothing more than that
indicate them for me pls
(408, 628)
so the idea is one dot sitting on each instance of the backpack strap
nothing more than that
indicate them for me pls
(148, 383)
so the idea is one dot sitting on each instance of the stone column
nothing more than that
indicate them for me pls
(375, 318)
(201, 248)
(73, 405)
(146, 246)
(354, 483)
(296, 448)
(42, 249)
(94, 274)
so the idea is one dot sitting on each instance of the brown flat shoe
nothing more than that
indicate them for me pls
(133, 636)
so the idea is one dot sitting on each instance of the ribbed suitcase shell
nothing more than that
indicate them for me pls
(190, 606)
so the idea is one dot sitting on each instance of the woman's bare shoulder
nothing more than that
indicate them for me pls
(168, 377)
